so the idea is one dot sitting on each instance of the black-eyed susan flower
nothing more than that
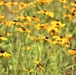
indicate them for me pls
(48, 13)
(65, 42)
(35, 19)
(69, 37)
(9, 5)
(1, 17)
(40, 12)
(3, 38)
(14, 11)
(41, 26)
(30, 71)
(2, 3)
(66, 7)
(73, 4)
(68, 16)
(15, 22)
(36, 38)
(39, 38)
(58, 38)
(14, 3)
(9, 34)
(26, 48)
(57, 24)
(4, 54)
(62, 41)
(28, 18)
(20, 17)
(23, 29)
(27, 24)
(63, 1)
(38, 65)
(43, 1)
(32, 37)
(7, 23)
(4, 32)
(74, 20)
(24, 18)
(73, 11)
(27, 70)
(53, 30)
(23, 5)
(72, 52)
(32, 4)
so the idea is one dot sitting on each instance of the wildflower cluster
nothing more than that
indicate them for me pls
(30, 30)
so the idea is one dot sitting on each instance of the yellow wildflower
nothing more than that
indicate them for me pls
(63, 1)
(1, 17)
(3, 38)
(43, 1)
(73, 11)
(2, 3)
(14, 11)
(7, 23)
(4, 54)
(41, 26)
(38, 65)
(58, 38)
(69, 37)
(61, 40)
(24, 18)
(23, 5)
(28, 18)
(73, 4)
(57, 24)
(4, 32)
(17, 23)
(72, 52)
(52, 30)
(26, 48)
(26, 70)
(27, 24)
(23, 30)
(14, 3)
(66, 7)
(9, 5)
(40, 12)
(39, 38)
(20, 17)
(9, 34)
(31, 70)
(68, 16)
(19, 29)
(36, 19)
(48, 13)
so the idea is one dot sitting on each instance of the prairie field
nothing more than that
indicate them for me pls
(37, 37)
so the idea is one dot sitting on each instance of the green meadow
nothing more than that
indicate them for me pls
(37, 37)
